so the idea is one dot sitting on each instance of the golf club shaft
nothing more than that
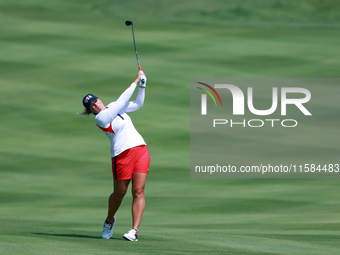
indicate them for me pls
(134, 42)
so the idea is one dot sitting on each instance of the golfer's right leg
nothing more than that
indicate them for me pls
(116, 198)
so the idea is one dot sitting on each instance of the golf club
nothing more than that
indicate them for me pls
(130, 23)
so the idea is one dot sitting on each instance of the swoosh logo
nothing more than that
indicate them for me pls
(208, 92)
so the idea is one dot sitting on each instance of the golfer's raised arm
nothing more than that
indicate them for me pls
(105, 117)
(138, 103)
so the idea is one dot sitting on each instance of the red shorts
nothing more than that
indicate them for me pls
(134, 160)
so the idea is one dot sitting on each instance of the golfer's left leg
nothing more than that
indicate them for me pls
(138, 203)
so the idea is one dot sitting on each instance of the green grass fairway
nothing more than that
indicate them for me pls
(55, 175)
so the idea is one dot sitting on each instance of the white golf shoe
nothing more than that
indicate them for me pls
(132, 235)
(107, 229)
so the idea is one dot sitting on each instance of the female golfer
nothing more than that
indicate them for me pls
(129, 153)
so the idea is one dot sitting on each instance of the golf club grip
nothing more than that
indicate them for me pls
(140, 69)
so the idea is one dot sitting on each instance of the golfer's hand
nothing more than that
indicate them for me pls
(140, 73)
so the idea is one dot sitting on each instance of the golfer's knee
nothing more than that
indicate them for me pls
(119, 194)
(138, 192)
